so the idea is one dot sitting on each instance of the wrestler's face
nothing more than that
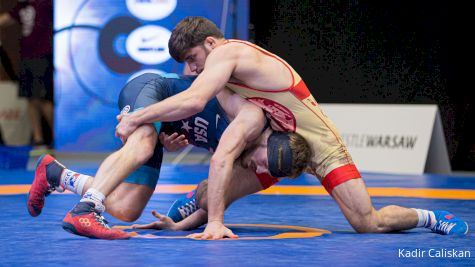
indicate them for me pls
(196, 58)
(256, 159)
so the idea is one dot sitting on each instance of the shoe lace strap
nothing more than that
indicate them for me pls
(100, 219)
(188, 209)
(444, 226)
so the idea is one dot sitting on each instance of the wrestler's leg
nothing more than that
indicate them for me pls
(111, 173)
(355, 203)
(129, 198)
(128, 201)
(135, 152)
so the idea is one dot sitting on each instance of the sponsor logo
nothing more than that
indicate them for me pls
(151, 9)
(125, 110)
(84, 222)
(386, 141)
(201, 130)
(217, 119)
(148, 44)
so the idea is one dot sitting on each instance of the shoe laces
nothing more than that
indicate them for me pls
(101, 220)
(188, 209)
(444, 227)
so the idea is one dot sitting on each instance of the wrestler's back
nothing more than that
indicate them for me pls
(271, 83)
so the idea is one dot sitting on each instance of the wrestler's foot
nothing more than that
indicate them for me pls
(84, 220)
(446, 223)
(47, 179)
(183, 207)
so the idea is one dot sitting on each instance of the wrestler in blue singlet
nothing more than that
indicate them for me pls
(203, 129)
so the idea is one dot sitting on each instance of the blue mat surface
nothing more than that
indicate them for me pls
(27, 241)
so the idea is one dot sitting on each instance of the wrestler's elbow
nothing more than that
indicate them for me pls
(218, 162)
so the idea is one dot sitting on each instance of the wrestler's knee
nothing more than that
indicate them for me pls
(368, 222)
(123, 214)
(127, 216)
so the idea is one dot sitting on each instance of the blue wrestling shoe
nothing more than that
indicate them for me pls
(183, 207)
(447, 224)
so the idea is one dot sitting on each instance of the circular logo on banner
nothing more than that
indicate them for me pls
(282, 119)
(151, 9)
(149, 44)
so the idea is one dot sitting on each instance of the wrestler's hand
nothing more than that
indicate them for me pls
(125, 127)
(214, 230)
(163, 223)
(173, 142)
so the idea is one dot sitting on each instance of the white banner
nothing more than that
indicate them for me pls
(14, 123)
(392, 138)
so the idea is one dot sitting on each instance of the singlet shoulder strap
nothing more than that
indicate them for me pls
(268, 54)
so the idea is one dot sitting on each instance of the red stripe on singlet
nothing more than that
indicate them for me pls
(266, 180)
(339, 176)
(300, 91)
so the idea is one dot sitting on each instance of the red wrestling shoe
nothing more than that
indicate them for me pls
(84, 220)
(47, 179)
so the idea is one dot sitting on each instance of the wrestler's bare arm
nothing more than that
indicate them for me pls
(216, 74)
(243, 130)
(218, 69)
(195, 220)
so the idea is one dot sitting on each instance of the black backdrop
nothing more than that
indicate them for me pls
(393, 51)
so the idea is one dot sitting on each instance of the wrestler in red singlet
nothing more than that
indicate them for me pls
(295, 109)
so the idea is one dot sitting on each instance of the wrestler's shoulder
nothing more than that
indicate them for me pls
(238, 48)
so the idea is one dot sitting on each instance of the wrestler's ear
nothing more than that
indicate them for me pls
(211, 42)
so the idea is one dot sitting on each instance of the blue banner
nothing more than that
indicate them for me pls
(99, 45)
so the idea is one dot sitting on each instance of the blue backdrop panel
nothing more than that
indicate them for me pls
(101, 44)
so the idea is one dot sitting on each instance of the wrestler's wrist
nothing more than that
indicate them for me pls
(134, 120)
(216, 221)
(137, 118)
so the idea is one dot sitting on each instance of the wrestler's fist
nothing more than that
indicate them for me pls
(125, 127)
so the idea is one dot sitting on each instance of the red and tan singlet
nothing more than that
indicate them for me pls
(294, 109)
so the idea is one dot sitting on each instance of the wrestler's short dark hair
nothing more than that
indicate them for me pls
(301, 154)
(190, 32)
